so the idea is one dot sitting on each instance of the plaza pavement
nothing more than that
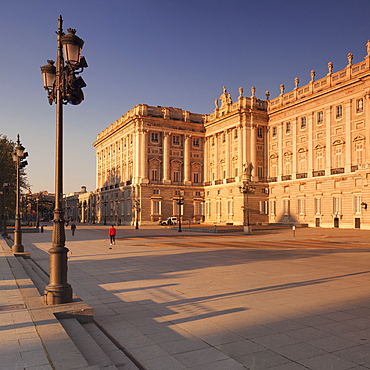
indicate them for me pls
(167, 300)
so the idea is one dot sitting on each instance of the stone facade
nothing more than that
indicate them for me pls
(300, 158)
(319, 159)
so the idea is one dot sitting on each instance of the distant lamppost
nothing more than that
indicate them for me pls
(5, 189)
(18, 156)
(180, 203)
(105, 212)
(37, 213)
(63, 86)
(137, 212)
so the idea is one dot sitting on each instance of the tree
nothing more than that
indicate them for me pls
(8, 173)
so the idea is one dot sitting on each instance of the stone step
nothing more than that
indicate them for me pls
(91, 351)
(116, 354)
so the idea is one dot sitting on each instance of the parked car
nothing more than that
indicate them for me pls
(169, 221)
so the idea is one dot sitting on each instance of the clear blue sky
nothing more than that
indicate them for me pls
(175, 53)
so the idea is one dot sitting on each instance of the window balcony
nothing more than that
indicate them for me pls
(286, 177)
(302, 175)
(318, 173)
(336, 171)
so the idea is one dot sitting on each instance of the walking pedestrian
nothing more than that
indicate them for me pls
(112, 235)
(73, 228)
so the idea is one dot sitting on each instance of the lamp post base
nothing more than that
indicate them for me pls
(17, 247)
(247, 230)
(57, 294)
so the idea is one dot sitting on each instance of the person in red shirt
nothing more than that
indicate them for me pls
(112, 235)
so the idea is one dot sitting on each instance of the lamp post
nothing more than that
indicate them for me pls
(137, 212)
(180, 203)
(18, 156)
(105, 212)
(63, 86)
(5, 189)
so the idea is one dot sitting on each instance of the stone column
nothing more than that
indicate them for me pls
(216, 157)
(294, 148)
(328, 141)
(240, 153)
(280, 149)
(310, 125)
(253, 150)
(348, 145)
(206, 158)
(228, 154)
(187, 179)
(166, 158)
(144, 157)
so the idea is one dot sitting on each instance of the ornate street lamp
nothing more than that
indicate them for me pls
(180, 203)
(137, 212)
(63, 86)
(18, 156)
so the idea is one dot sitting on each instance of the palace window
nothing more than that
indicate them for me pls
(223, 137)
(156, 191)
(260, 132)
(287, 165)
(337, 205)
(320, 118)
(286, 207)
(235, 133)
(317, 206)
(154, 173)
(156, 207)
(338, 151)
(274, 131)
(230, 207)
(302, 161)
(198, 209)
(196, 143)
(176, 176)
(301, 206)
(287, 128)
(359, 105)
(338, 111)
(359, 152)
(176, 140)
(264, 209)
(357, 200)
(303, 123)
(319, 159)
(155, 137)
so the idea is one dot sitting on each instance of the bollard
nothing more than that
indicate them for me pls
(42, 228)
(293, 228)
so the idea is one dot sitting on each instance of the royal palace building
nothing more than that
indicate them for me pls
(302, 157)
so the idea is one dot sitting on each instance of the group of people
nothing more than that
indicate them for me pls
(111, 233)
